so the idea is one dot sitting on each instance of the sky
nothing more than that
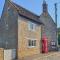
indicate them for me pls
(35, 6)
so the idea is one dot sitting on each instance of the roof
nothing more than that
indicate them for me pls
(48, 15)
(24, 12)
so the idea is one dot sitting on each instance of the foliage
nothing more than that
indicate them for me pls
(59, 36)
(59, 39)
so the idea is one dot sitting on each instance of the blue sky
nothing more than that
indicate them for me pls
(35, 6)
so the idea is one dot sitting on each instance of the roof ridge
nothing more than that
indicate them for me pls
(22, 8)
(24, 12)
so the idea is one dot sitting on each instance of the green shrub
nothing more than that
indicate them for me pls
(59, 39)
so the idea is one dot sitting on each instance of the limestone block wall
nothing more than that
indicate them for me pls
(1, 54)
(23, 35)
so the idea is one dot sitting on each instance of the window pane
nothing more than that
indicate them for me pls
(31, 25)
(29, 42)
(34, 42)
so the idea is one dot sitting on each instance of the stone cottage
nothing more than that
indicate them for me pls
(20, 30)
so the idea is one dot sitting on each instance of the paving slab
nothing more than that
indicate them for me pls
(47, 56)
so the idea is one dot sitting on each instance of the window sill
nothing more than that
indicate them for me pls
(31, 46)
(32, 30)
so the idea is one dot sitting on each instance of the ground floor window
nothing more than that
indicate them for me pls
(31, 43)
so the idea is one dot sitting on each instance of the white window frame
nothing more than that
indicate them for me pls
(29, 26)
(31, 43)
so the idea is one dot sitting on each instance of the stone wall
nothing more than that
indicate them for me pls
(8, 32)
(1, 54)
(23, 36)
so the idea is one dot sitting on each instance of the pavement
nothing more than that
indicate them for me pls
(46, 56)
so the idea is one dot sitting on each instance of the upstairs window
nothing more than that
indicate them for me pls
(31, 26)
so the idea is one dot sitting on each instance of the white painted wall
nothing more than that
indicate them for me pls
(9, 54)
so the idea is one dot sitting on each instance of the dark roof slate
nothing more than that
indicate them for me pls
(24, 12)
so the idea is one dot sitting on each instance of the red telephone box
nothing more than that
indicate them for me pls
(44, 45)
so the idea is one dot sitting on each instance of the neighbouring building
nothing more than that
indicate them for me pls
(49, 29)
(20, 30)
